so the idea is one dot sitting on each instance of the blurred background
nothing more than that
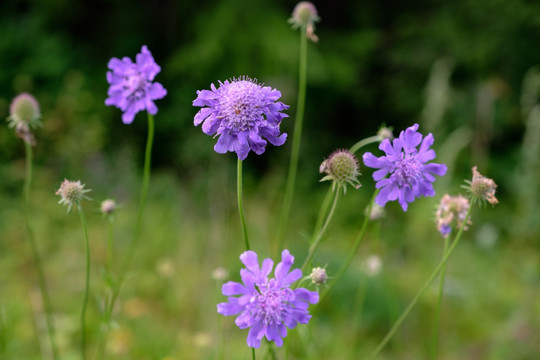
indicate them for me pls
(465, 70)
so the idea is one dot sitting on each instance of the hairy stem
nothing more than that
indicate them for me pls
(86, 284)
(297, 137)
(439, 302)
(241, 203)
(36, 255)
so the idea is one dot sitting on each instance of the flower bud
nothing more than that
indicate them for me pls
(304, 16)
(342, 168)
(385, 133)
(318, 276)
(71, 192)
(108, 206)
(482, 188)
(24, 114)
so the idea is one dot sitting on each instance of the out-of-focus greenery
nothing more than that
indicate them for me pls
(464, 69)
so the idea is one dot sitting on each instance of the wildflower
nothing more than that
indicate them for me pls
(318, 276)
(342, 168)
(24, 115)
(410, 174)
(131, 87)
(241, 112)
(108, 206)
(305, 16)
(267, 307)
(481, 188)
(71, 192)
(451, 208)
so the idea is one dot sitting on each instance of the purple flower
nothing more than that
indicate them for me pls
(132, 89)
(410, 174)
(242, 113)
(268, 307)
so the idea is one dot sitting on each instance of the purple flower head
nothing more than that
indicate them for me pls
(267, 307)
(241, 112)
(131, 87)
(411, 175)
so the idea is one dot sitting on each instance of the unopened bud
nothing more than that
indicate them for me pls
(304, 16)
(24, 114)
(318, 276)
(108, 206)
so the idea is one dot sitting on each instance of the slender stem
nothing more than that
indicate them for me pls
(405, 313)
(439, 301)
(138, 224)
(356, 246)
(323, 211)
(315, 243)
(87, 283)
(297, 137)
(364, 142)
(241, 203)
(2, 334)
(253, 354)
(109, 244)
(35, 253)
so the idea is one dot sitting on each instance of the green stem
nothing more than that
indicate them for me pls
(87, 283)
(397, 324)
(364, 142)
(356, 246)
(241, 203)
(253, 354)
(439, 301)
(2, 334)
(315, 243)
(138, 223)
(323, 211)
(109, 244)
(35, 253)
(297, 137)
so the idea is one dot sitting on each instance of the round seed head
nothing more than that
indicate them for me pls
(342, 168)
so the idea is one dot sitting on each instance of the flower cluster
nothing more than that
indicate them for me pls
(267, 306)
(131, 87)
(241, 112)
(451, 208)
(71, 192)
(411, 175)
(341, 168)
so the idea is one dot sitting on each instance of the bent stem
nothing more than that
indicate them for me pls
(423, 289)
(297, 137)
(439, 302)
(241, 203)
(356, 246)
(316, 241)
(364, 142)
(35, 253)
(87, 283)
(138, 223)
